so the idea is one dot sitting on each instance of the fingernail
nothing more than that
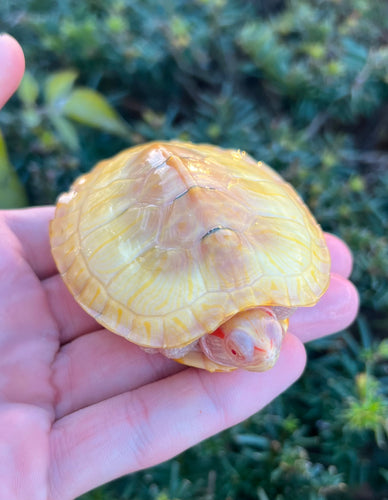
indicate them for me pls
(4, 34)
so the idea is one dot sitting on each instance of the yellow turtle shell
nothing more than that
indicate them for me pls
(166, 241)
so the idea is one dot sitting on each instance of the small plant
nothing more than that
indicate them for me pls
(368, 409)
(62, 105)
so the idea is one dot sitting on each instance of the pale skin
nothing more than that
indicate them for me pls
(80, 406)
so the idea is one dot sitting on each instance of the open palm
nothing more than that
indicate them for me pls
(80, 406)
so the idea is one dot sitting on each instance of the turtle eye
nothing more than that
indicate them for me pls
(240, 346)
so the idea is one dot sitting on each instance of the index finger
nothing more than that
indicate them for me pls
(31, 227)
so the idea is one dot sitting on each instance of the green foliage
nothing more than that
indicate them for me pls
(368, 410)
(63, 103)
(302, 85)
(88, 107)
(12, 194)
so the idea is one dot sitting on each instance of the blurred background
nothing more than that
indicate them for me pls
(301, 85)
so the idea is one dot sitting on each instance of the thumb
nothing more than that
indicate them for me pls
(11, 67)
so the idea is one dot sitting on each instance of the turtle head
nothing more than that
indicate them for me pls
(250, 340)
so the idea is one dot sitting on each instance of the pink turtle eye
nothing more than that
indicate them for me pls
(235, 352)
(240, 346)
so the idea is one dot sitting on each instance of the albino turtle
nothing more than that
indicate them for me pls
(194, 251)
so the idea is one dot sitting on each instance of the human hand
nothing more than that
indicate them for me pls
(81, 406)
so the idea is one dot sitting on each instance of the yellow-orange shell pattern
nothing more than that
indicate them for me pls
(166, 241)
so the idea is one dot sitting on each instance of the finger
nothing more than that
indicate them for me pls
(31, 227)
(156, 422)
(335, 311)
(71, 319)
(341, 256)
(11, 67)
(101, 365)
(28, 336)
(23, 453)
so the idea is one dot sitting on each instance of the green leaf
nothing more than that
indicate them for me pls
(90, 108)
(28, 90)
(12, 194)
(58, 86)
(31, 117)
(66, 131)
(382, 350)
